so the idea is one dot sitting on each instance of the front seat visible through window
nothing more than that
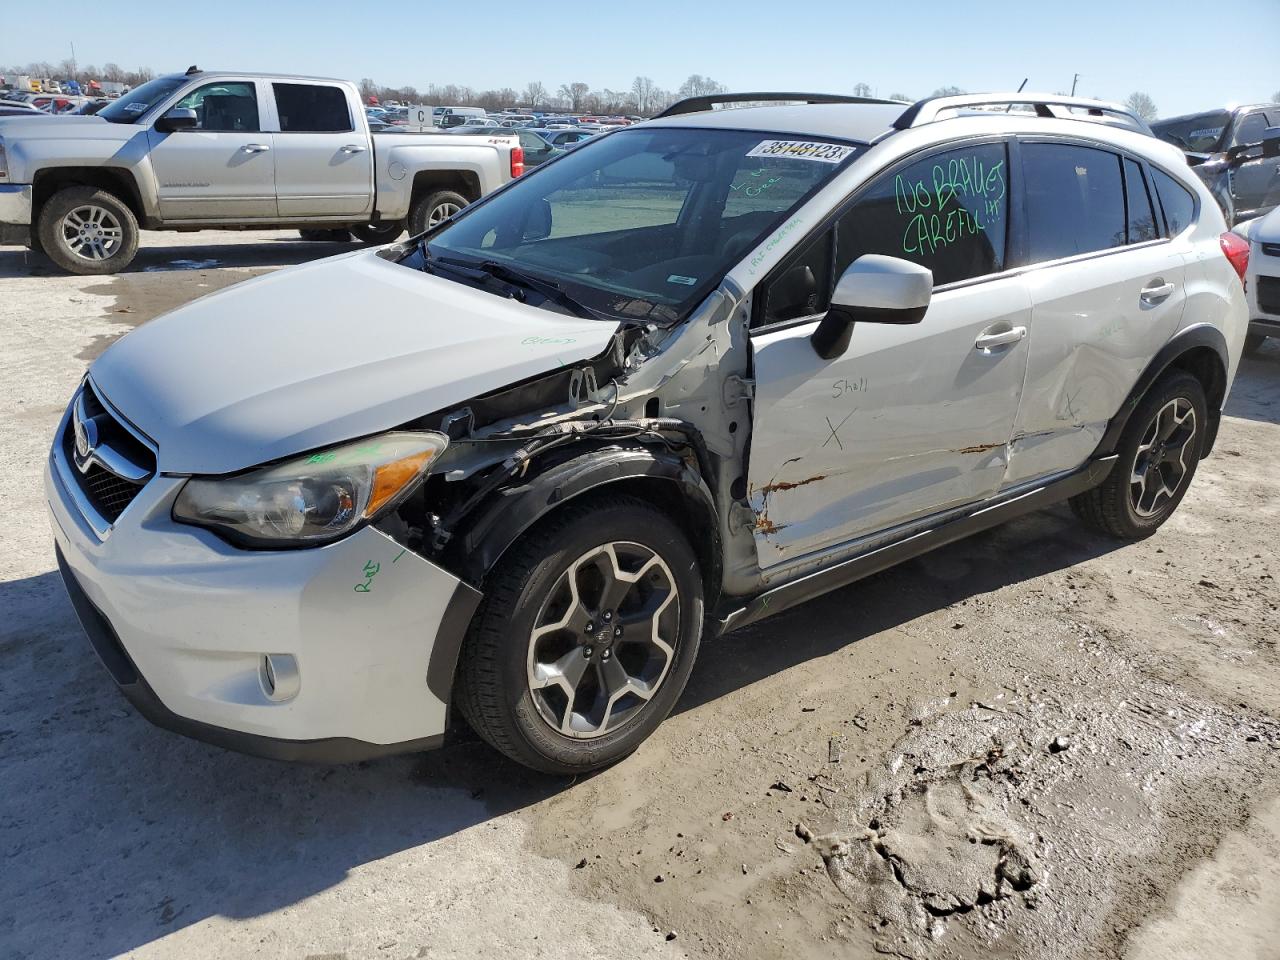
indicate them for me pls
(226, 112)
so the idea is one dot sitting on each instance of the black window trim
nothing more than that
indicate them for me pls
(1014, 243)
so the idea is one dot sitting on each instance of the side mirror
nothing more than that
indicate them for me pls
(874, 289)
(537, 225)
(179, 118)
(1271, 142)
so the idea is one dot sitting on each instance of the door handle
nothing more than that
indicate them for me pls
(255, 148)
(353, 148)
(989, 341)
(1157, 292)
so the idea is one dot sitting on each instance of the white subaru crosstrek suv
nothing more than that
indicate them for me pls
(679, 379)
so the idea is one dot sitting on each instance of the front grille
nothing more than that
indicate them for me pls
(108, 492)
(1269, 294)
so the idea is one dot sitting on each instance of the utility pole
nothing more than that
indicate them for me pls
(74, 71)
(1074, 81)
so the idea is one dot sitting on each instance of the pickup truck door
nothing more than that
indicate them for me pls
(223, 168)
(324, 154)
(909, 420)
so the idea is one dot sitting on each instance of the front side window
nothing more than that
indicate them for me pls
(1074, 200)
(948, 212)
(311, 108)
(1250, 130)
(645, 222)
(224, 107)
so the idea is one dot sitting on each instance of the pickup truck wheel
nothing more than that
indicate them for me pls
(1156, 459)
(434, 207)
(378, 233)
(87, 231)
(586, 636)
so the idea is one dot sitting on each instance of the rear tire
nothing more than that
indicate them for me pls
(432, 208)
(569, 665)
(87, 231)
(377, 234)
(1156, 459)
(1253, 342)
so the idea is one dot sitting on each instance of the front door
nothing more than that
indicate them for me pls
(324, 161)
(911, 420)
(222, 169)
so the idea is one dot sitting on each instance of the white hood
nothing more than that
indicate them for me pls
(322, 353)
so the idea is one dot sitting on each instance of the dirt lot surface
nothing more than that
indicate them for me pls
(1036, 743)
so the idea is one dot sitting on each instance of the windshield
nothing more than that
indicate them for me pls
(642, 223)
(1198, 134)
(135, 103)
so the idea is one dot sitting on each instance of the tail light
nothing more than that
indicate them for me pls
(517, 168)
(1236, 249)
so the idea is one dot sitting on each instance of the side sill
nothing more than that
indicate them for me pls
(856, 568)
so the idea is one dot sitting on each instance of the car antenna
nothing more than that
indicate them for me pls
(1020, 86)
(192, 69)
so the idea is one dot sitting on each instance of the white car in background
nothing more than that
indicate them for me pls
(684, 377)
(1262, 282)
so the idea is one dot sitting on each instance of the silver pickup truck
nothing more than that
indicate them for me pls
(201, 150)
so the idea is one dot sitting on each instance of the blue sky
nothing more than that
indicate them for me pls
(1187, 54)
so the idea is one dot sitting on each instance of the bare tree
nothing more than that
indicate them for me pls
(905, 98)
(112, 71)
(367, 89)
(642, 90)
(535, 94)
(1275, 97)
(1142, 105)
(575, 93)
(948, 92)
(862, 89)
(699, 86)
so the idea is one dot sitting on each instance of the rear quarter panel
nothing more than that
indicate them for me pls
(399, 157)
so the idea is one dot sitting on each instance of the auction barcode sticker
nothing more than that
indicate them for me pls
(801, 150)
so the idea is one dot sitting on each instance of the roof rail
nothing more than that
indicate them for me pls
(708, 102)
(929, 109)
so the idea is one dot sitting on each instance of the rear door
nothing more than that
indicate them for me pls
(324, 158)
(224, 168)
(1107, 288)
(910, 420)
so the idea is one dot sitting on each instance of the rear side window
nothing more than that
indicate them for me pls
(948, 212)
(1142, 218)
(1074, 199)
(1178, 203)
(307, 108)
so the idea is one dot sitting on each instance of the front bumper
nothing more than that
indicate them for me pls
(183, 622)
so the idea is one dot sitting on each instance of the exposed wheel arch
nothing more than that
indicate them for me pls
(1200, 350)
(114, 180)
(658, 476)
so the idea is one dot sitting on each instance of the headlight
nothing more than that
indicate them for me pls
(311, 499)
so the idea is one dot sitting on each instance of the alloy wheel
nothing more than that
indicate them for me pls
(440, 212)
(604, 640)
(1160, 467)
(92, 232)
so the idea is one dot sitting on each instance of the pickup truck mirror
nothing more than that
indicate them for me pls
(537, 225)
(874, 289)
(179, 118)
(1271, 142)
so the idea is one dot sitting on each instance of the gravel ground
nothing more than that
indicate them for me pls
(1036, 743)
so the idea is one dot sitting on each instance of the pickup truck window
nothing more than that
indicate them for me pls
(224, 107)
(134, 104)
(644, 223)
(311, 108)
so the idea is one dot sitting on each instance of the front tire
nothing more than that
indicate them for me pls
(1156, 459)
(432, 208)
(588, 631)
(87, 231)
(380, 233)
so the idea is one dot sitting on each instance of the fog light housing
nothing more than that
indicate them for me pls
(279, 677)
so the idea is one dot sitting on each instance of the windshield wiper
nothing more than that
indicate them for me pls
(549, 289)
